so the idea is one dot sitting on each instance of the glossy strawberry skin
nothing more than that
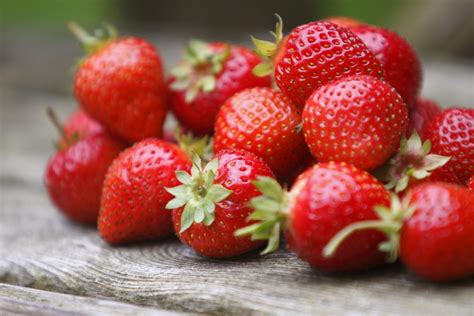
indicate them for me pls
(122, 87)
(318, 53)
(421, 114)
(437, 242)
(452, 134)
(75, 175)
(325, 199)
(358, 119)
(79, 126)
(134, 198)
(470, 183)
(344, 21)
(236, 75)
(400, 62)
(237, 169)
(265, 122)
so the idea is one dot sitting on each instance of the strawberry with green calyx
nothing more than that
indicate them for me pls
(324, 199)
(413, 162)
(212, 202)
(312, 55)
(209, 74)
(431, 230)
(120, 84)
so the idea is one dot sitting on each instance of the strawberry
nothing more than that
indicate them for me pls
(357, 119)
(452, 134)
(120, 84)
(209, 74)
(414, 164)
(323, 200)
(421, 113)
(399, 60)
(75, 173)
(312, 55)
(134, 196)
(265, 122)
(432, 230)
(212, 202)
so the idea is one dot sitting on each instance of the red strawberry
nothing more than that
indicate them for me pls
(398, 59)
(206, 78)
(421, 113)
(134, 195)
(212, 202)
(452, 134)
(470, 183)
(323, 200)
(358, 119)
(265, 122)
(432, 230)
(437, 242)
(413, 164)
(312, 55)
(75, 173)
(120, 84)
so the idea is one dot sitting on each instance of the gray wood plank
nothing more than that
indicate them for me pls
(15, 300)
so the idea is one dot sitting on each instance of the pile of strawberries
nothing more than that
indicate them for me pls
(331, 109)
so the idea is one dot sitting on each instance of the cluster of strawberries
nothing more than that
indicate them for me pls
(345, 101)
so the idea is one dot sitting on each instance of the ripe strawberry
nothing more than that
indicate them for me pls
(134, 196)
(75, 173)
(399, 60)
(421, 113)
(452, 134)
(120, 84)
(323, 200)
(358, 119)
(265, 122)
(208, 75)
(212, 202)
(414, 164)
(312, 55)
(432, 230)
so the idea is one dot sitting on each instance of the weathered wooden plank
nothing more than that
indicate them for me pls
(39, 249)
(15, 300)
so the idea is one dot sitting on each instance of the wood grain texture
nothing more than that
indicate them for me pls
(16, 300)
(39, 249)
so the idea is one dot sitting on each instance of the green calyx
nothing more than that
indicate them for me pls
(201, 146)
(413, 161)
(199, 69)
(197, 193)
(267, 50)
(270, 212)
(93, 43)
(390, 223)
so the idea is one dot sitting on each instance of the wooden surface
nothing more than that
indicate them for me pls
(55, 267)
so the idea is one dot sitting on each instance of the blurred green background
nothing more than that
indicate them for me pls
(37, 52)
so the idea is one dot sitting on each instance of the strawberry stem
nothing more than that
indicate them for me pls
(90, 42)
(55, 121)
(336, 241)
